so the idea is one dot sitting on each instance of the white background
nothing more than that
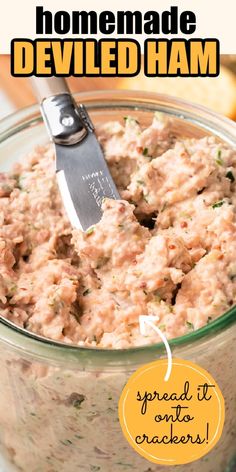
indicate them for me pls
(215, 18)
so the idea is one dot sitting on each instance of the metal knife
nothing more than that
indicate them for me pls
(82, 173)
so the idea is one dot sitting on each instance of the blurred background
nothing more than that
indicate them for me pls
(218, 93)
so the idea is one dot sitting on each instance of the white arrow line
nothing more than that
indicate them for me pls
(148, 320)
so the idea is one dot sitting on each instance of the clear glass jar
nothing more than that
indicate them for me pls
(58, 403)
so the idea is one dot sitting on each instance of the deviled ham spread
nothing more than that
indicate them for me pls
(166, 248)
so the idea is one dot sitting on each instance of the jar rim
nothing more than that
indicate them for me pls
(198, 115)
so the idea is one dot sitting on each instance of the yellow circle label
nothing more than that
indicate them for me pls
(175, 421)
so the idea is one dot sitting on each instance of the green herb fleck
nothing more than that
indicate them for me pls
(66, 442)
(78, 401)
(140, 182)
(90, 230)
(12, 289)
(162, 327)
(95, 468)
(190, 325)
(218, 204)
(145, 151)
(164, 207)
(209, 319)
(130, 118)
(86, 292)
(219, 159)
(184, 214)
(230, 176)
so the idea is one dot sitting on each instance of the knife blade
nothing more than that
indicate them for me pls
(84, 181)
(82, 173)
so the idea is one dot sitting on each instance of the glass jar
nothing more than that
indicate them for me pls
(59, 403)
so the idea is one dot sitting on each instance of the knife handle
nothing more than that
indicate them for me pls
(45, 87)
(67, 122)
